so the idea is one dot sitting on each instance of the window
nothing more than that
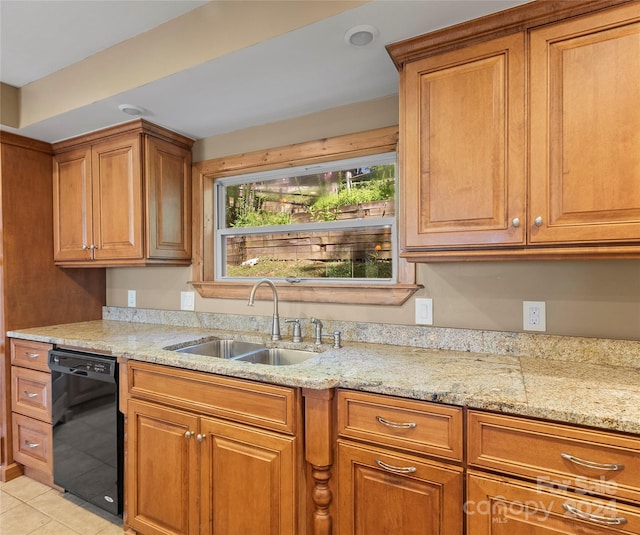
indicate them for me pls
(319, 218)
(328, 222)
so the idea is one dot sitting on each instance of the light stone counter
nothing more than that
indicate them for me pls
(554, 385)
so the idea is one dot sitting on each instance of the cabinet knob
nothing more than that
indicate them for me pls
(200, 437)
(188, 434)
(515, 222)
(84, 247)
(538, 221)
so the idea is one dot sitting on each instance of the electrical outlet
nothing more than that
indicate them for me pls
(424, 311)
(131, 298)
(534, 316)
(187, 301)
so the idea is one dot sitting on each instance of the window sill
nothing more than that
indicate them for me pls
(362, 294)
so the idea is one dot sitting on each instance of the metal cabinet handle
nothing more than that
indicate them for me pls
(515, 222)
(31, 444)
(538, 221)
(614, 467)
(396, 425)
(396, 469)
(200, 437)
(31, 355)
(29, 394)
(84, 247)
(596, 519)
(188, 434)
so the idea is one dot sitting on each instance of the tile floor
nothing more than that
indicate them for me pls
(31, 508)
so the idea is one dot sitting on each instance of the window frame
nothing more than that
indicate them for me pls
(348, 146)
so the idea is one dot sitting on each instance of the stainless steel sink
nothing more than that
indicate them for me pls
(224, 349)
(276, 356)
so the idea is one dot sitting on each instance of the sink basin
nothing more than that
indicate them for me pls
(224, 349)
(276, 356)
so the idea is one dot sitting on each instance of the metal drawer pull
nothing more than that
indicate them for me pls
(596, 519)
(32, 355)
(188, 434)
(29, 394)
(200, 437)
(591, 464)
(396, 469)
(397, 425)
(31, 444)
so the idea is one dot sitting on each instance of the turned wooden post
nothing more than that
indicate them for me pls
(319, 454)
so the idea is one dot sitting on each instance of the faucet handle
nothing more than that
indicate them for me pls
(297, 333)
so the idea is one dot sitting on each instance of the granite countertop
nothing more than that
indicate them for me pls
(573, 391)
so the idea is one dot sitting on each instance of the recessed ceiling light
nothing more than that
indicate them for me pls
(361, 35)
(131, 109)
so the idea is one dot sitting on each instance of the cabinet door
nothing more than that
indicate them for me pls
(72, 206)
(380, 491)
(585, 129)
(248, 481)
(463, 148)
(497, 506)
(168, 176)
(161, 492)
(117, 198)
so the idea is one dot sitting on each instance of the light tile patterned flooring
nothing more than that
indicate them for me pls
(31, 508)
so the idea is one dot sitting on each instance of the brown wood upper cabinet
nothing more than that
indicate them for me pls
(123, 197)
(521, 134)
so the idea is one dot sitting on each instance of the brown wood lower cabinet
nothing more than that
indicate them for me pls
(388, 482)
(385, 492)
(189, 471)
(501, 506)
(248, 480)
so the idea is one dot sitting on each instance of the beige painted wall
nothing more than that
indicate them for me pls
(584, 298)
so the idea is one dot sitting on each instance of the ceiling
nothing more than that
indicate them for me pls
(277, 69)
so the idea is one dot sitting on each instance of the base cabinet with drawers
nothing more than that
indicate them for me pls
(31, 405)
(209, 455)
(398, 466)
(533, 477)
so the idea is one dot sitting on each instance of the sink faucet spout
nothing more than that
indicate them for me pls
(275, 326)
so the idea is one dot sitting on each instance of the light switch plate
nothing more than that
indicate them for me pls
(187, 301)
(424, 311)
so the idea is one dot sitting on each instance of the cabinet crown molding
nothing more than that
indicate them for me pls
(137, 126)
(516, 19)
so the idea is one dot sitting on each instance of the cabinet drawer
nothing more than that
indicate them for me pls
(497, 505)
(33, 443)
(594, 462)
(259, 404)
(415, 426)
(28, 354)
(31, 393)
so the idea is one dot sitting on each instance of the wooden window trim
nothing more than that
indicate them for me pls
(306, 153)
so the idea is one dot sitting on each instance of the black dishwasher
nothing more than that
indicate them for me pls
(87, 427)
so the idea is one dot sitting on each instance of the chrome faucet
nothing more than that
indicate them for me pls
(275, 326)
